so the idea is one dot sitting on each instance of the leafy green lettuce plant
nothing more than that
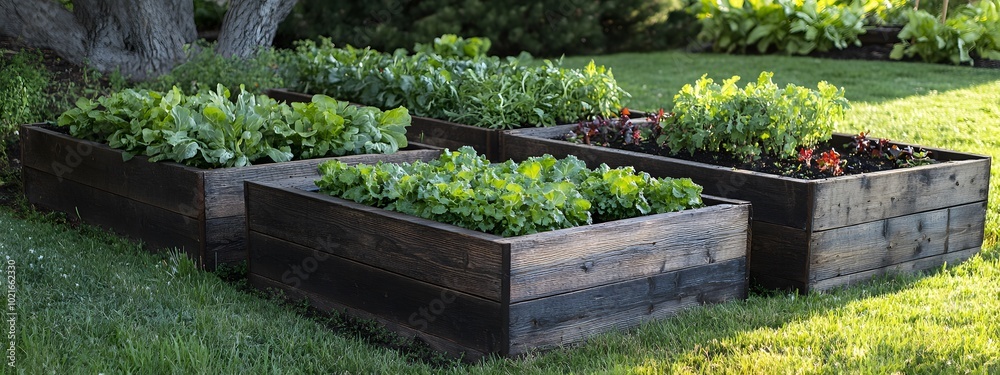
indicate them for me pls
(480, 91)
(210, 129)
(508, 199)
(756, 119)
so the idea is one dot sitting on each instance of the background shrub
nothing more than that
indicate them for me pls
(205, 69)
(543, 28)
(23, 81)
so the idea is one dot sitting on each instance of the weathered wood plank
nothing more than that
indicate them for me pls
(429, 251)
(324, 304)
(224, 187)
(169, 186)
(777, 251)
(921, 264)
(548, 263)
(155, 227)
(469, 320)
(882, 243)
(873, 196)
(776, 199)
(966, 226)
(570, 317)
(225, 240)
(452, 136)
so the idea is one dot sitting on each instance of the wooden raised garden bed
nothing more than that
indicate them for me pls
(825, 233)
(429, 131)
(472, 293)
(166, 205)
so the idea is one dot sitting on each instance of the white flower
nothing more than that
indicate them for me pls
(31, 250)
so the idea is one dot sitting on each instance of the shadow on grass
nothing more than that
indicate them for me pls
(778, 326)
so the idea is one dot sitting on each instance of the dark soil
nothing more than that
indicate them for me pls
(855, 164)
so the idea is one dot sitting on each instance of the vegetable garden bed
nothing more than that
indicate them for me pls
(472, 293)
(164, 204)
(821, 234)
(428, 131)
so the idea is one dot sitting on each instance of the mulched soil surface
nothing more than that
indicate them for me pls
(772, 164)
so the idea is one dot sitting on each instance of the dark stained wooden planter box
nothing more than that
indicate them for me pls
(821, 234)
(472, 293)
(166, 205)
(430, 131)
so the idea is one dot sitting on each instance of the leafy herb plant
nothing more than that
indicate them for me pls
(508, 199)
(441, 82)
(756, 119)
(211, 129)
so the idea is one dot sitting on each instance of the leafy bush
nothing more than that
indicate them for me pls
(794, 27)
(759, 118)
(972, 29)
(204, 70)
(23, 98)
(481, 91)
(542, 28)
(508, 199)
(452, 46)
(211, 130)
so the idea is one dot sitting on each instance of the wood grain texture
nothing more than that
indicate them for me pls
(885, 243)
(327, 305)
(780, 252)
(922, 264)
(571, 317)
(433, 252)
(225, 241)
(470, 321)
(966, 226)
(776, 199)
(548, 263)
(170, 186)
(157, 228)
(849, 200)
(453, 136)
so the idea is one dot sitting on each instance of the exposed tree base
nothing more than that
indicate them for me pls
(139, 38)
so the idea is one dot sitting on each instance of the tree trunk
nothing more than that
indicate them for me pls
(250, 24)
(139, 38)
(45, 24)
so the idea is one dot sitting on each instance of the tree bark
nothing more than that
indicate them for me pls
(250, 24)
(139, 38)
(44, 24)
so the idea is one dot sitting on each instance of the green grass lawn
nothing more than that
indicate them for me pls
(93, 303)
